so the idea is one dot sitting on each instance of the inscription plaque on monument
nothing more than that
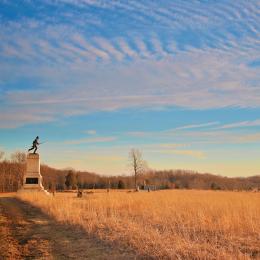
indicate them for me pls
(31, 181)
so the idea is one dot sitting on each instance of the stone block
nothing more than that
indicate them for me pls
(32, 180)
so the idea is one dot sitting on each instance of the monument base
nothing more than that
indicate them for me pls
(32, 181)
(23, 191)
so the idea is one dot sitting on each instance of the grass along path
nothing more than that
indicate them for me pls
(174, 224)
(27, 233)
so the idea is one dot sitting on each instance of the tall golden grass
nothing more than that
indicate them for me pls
(176, 224)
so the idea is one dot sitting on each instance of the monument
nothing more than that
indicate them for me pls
(32, 180)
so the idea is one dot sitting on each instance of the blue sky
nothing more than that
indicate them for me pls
(178, 80)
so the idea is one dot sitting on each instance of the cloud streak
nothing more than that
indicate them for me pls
(92, 140)
(197, 126)
(242, 124)
(192, 153)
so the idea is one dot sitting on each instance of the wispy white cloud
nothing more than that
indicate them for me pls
(138, 133)
(103, 139)
(241, 124)
(197, 126)
(192, 153)
(13, 119)
(174, 131)
(142, 47)
(97, 52)
(199, 136)
(169, 149)
(174, 148)
(90, 132)
(158, 47)
(172, 145)
(126, 48)
(110, 48)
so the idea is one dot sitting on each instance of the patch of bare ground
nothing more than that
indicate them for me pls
(28, 233)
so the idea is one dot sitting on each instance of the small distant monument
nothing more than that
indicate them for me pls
(32, 180)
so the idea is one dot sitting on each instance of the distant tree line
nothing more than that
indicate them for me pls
(12, 171)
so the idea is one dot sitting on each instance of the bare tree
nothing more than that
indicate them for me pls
(137, 164)
(19, 164)
(18, 157)
(1, 155)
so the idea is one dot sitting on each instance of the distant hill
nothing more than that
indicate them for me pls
(11, 176)
(194, 180)
(168, 179)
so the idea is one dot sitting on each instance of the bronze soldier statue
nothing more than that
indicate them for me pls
(35, 145)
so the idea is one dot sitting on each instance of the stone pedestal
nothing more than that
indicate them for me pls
(32, 180)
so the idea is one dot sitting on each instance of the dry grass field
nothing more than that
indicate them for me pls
(176, 224)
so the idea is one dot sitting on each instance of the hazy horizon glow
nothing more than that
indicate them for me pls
(178, 80)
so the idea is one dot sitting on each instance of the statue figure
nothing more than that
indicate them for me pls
(35, 145)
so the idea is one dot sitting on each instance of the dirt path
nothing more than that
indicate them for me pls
(28, 233)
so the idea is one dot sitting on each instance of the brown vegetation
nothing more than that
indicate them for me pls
(12, 171)
(28, 233)
(166, 224)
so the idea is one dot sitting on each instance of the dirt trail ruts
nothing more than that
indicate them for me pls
(27, 233)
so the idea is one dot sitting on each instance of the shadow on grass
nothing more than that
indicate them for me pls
(39, 235)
